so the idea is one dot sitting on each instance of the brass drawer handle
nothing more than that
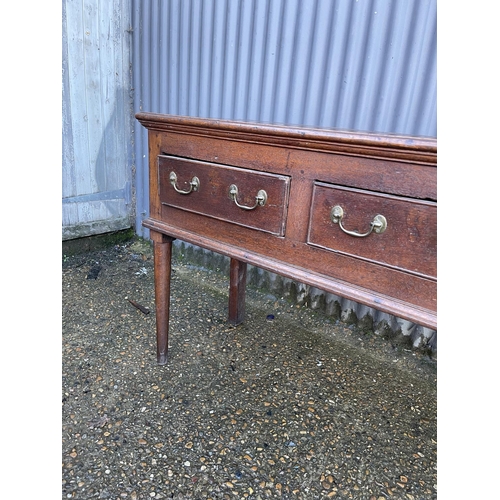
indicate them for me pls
(194, 184)
(378, 224)
(260, 199)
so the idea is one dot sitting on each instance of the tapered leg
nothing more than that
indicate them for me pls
(237, 284)
(163, 268)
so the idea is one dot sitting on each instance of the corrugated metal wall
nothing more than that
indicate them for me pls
(97, 117)
(356, 64)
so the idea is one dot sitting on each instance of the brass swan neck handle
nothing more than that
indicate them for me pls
(378, 225)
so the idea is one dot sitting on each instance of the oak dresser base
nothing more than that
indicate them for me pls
(349, 213)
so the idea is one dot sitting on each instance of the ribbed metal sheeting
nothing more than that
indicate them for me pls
(367, 65)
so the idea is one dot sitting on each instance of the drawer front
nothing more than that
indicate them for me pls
(249, 198)
(409, 241)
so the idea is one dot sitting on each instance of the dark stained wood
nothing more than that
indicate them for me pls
(406, 285)
(413, 180)
(305, 172)
(413, 149)
(212, 197)
(237, 288)
(379, 278)
(408, 243)
(162, 248)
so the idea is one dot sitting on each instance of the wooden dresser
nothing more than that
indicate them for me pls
(353, 214)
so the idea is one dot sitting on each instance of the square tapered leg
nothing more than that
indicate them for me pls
(237, 285)
(162, 269)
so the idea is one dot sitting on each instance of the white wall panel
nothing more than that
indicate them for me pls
(97, 117)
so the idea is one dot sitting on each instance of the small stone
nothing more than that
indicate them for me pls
(187, 463)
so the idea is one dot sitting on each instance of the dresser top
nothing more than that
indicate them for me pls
(422, 150)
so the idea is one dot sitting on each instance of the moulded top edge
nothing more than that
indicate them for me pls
(425, 148)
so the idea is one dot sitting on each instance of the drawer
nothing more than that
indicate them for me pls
(249, 198)
(409, 241)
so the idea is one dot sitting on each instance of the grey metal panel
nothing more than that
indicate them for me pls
(97, 117)
(354, 64)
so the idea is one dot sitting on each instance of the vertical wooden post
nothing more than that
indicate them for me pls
(237, 284)
(162, 269)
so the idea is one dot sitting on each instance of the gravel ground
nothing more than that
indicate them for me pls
(290, 404)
